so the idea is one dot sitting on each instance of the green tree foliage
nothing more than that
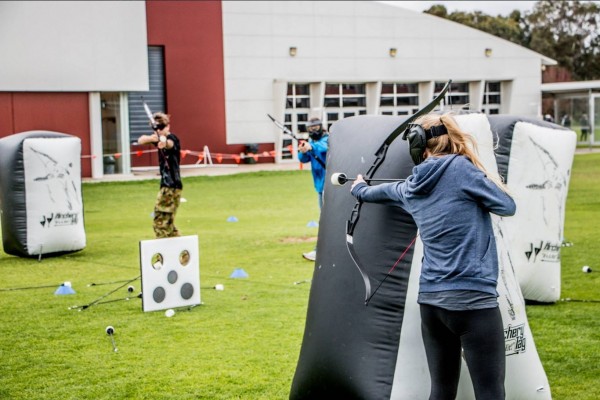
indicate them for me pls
(567, 31)
(509, 28)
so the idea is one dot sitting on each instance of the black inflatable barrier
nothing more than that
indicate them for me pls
(349, 349)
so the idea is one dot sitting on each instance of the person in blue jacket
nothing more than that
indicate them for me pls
(450, 196)
(315, 151)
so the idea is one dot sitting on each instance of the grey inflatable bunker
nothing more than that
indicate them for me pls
(41, 204)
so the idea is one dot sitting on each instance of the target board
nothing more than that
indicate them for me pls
(170, 270)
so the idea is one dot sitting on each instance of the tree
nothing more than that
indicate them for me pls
(566, 31)
(506, 27)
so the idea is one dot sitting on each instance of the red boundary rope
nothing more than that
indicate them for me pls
(200, 155)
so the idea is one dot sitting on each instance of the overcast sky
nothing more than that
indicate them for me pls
(487, 7)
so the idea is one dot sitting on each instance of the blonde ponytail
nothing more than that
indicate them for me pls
(455, 142)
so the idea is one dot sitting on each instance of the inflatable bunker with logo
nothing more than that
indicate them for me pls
(41, 204)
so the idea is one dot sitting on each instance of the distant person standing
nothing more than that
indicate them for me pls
(585, 127)
(171, 186)
(315, 151)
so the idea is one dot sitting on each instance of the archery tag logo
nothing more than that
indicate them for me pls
(544, 251)
(60, 219)
(514, 339)
(46, 220)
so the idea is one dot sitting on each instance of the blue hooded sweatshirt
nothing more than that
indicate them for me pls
(319, 149)
(450, 200)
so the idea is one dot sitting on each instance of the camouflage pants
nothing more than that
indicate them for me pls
(165, 209)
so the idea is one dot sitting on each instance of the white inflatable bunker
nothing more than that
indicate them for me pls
(535, 160)
(40, 194)
(525, 376)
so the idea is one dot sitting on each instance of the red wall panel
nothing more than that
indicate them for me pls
(192, 35)
(58, 112)
(6, 115)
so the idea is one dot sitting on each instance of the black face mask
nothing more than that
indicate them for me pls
(158, 127)
(315, 135)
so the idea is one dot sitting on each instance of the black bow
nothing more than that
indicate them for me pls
(380, 155)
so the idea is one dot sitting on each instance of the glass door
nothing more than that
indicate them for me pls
(573, 112)
(112, 144)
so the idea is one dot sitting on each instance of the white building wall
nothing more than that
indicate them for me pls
(349, 41)
(73, 46)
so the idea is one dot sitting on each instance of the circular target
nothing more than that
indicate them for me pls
(157, 261)
(172, 277)
(159, 294)
(187, 290)
(184, 258)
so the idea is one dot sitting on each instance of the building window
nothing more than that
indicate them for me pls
(577, 108)
(456, 97)
(298, 96)
(343, 100)
(297, 106)
(492, 98)
(399, 98)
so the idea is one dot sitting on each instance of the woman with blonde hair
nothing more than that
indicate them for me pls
(450, 196)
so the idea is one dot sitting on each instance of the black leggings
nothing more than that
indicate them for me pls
(480, 333)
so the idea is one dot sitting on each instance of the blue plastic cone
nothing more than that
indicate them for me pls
(312, 224)
(232, 219)
(239, 273)
(64, 289)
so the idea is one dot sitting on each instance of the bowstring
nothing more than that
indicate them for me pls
(392, 269)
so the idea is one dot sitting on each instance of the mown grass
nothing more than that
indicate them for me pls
(243, 342)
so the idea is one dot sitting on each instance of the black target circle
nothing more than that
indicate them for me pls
(172, 277)
(159, 294)
(187, 291)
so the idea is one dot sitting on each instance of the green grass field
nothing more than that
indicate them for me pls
(243, 342)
